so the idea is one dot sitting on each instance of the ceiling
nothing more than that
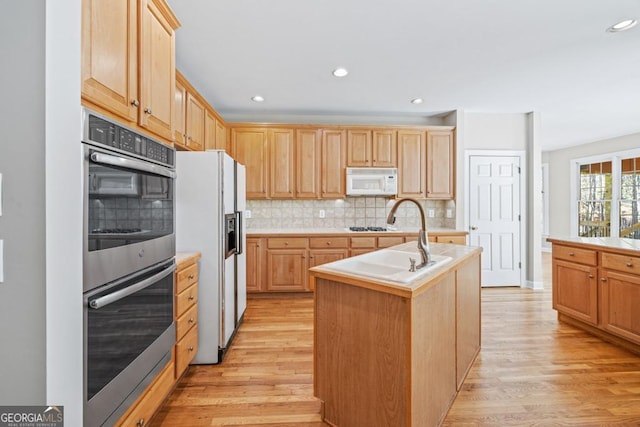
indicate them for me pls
(492, 56)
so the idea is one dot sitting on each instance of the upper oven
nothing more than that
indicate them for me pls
(129, 201)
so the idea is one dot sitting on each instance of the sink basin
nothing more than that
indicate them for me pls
(387, 264)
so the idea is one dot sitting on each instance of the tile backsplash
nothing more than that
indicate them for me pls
(341, 213)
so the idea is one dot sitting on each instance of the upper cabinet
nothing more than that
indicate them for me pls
(180, 113)
(367, 148)
(128, 62)
(281, 163)
(333, 163)
(195, 123)
(308, 154)
(411, 164)
(440, 164)
(249, 147)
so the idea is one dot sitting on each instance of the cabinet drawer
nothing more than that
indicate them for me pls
(186, 321)
(363, 242)
(385, 242)
(457, 240)
(328, 242)
(186, 299)
(582, 256)
(287, 243)
(625, 263)
(185, 350)
(150, 400)
(186, 277)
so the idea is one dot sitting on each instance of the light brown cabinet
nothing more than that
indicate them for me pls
(194, 123)
(597, 288)
(186, 313)
(440, 165)
(222, 142)
(250, 147)
(255, 250)
(371, 148)
(411, 164)
(180, 113)
(287, 270)
(333, 164)
(281, 164)
(128, 62)
(308, 154)
(210, 132)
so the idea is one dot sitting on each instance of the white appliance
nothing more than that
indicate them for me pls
(372, 181)
(210, 206)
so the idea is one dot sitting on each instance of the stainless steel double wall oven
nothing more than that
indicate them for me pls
(128, 265)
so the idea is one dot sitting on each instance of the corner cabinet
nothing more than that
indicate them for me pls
(597, 288)
(128, 62)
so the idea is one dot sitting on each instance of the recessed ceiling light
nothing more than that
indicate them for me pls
(622, 25)
(416, 101)
(257, 98)
(340, 72)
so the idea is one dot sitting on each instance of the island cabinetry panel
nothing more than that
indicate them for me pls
(440, 164)
(468, 311)
(308, 152)
(255, 250)
(597, 288)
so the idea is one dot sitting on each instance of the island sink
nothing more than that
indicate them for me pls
(387, 264)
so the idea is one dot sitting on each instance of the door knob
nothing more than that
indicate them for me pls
(473, 227)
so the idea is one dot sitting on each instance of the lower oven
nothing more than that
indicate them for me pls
(128, 336)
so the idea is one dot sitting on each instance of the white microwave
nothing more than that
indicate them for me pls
(372, 181)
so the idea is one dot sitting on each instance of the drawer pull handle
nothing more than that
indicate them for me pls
(191, 297)
(140, 422)
(191, 320)
(604, 279)
(572, 254)
(191, 276)
(591, 276)
(286, 243)
(629, 264)
(328, 243)
(135, 102)
(190, 348)
(147, 110)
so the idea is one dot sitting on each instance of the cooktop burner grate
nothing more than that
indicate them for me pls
(367, 229)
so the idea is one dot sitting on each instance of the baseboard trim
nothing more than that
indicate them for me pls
(535, 285)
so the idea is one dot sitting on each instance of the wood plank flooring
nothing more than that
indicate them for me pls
(531, 371)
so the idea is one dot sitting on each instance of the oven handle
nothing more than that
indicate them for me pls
(108, 159)
(122, 293)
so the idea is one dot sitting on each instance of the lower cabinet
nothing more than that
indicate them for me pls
(280, 262)
(597, 288)
(186, 314)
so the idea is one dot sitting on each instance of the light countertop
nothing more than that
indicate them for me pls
(308, 231)
(617, 244)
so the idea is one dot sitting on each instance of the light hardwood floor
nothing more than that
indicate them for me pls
(531, 371)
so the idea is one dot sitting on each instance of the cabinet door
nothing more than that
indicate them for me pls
(440, 164)
(180, 114)
(281, 163)
(358, 148)
(323, 256)
(254, 250)
(221, 137)
(411, 164)
(157, 70)
(307, 164)
(575, 290)
(250, 148)
(209, 131)
(195, 123)
(110, 56)
(384, 148)
(333, 164)
(287, 270)
(620, 301)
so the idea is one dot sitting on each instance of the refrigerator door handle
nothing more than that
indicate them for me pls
(239, 232)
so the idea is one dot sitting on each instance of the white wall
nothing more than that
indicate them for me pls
(560, 179)
(487, 131)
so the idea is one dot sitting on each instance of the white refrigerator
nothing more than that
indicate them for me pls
(210, 209)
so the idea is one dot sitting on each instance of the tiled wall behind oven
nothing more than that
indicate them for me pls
(128, 213)
(351, 211)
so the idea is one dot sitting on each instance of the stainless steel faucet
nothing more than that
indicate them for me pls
(423, 239)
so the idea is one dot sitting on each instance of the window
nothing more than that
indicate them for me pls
(594, 206)
(629, 197)
(606, 195)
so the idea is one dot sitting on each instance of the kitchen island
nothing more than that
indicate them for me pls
(596, 287)
(395, 354)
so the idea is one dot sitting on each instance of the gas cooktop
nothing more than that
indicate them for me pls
(367, 229)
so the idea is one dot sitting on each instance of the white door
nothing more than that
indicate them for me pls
(494, 217)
